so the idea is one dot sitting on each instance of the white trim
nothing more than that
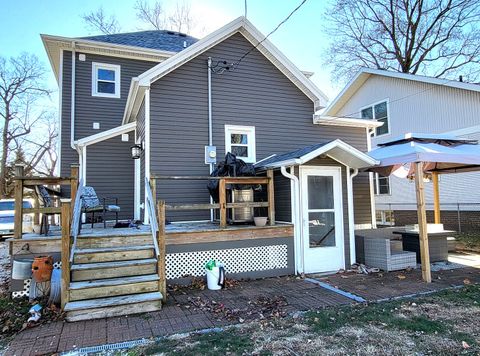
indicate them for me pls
(373, 215)
(376, 179)
(147, 148)
(344, 121)
(72, 98)
(105, 135)
(351, 214)
(369, 161)
(137, 183)
(336, 172)
(387, 100)
(243, 26)
(84, 164)
(117, 70)
(363, 74)
(251, 140)
(60, 116)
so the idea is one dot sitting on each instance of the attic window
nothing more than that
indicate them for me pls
(240, 140)
(105, 80)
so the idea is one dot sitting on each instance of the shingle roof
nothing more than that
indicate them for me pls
(289, 155)
(161, 40)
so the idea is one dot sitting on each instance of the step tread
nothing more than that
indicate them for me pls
(116, 234)
(113, 281)
(112, 301)
(113, 264)
(81, 251)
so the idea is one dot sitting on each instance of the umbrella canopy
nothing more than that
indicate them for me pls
(439, 153)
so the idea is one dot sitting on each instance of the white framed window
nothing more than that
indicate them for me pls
(385, 217)
(381, 184)
(378, 112)
(240, 140)
(105, 80)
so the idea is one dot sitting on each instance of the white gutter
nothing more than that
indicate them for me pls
(297, 225)
(351, 220)
(72, 101)
(147, 149)
(370, 179)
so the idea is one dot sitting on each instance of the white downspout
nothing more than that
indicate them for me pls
(72, 100)
(370, 180)
(210, 124)
(297, 225)
(351, 220)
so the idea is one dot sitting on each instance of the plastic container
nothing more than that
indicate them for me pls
(215, 275)
(22, 269)
(42, 267)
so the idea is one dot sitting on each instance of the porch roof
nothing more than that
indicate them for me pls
(337, 150)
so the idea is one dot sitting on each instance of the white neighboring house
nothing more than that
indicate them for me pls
(419, 104)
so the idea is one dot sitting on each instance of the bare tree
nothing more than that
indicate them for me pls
(440, 38)
(99, 21)
(20, 87)
(181, 19)
(153, 16)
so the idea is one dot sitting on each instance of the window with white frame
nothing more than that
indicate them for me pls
(378, 112)
(106, 80)
(381, 184)
(240, 140)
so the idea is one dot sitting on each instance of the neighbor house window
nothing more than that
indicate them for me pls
(381, 184)
(106, 80)
(378, 112)
(240, 140)
(385, 217)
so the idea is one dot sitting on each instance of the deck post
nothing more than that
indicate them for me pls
(271, 197)
(222, 199)
(422, 222)
(18, 220)
(73, 183)
(153, 186)
(162, 282)
(66, 245)
(436, 198)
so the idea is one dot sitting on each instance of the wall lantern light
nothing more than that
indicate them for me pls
(137, 150)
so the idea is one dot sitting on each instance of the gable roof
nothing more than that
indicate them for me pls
(160, 40)
(240, 25)
(365, 73)
(337, 150)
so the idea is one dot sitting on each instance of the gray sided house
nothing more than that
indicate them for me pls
(174, 95)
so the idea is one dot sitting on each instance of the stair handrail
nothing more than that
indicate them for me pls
(150, 208)
(76, 218)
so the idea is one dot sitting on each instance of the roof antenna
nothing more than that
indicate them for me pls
(245, 8)
(460, 79)
(184, 44)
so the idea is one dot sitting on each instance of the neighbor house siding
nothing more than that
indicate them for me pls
(422, 108)
(255, 93)
(110, 170)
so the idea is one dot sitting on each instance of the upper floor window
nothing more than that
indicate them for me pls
(378, 112)
(240, 140)
(381, 184)
(106, 80)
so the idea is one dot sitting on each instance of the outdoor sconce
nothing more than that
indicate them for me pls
(136, 151)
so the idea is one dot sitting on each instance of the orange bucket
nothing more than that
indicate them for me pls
(42, 267)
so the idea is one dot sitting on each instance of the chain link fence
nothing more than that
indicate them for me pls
(460, 217)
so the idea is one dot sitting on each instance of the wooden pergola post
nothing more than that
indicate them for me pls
(18, 219)
(222, 199)
(161, 262)
(271, 197)
(73, 183)
(422, 222)
(436, 198)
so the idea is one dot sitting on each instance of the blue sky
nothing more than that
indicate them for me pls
(301, 38)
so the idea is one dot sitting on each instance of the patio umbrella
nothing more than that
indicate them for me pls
(424, 154)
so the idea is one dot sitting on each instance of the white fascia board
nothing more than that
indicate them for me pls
(345, 121)
(135, 97)
(105, 135)
(247, 29)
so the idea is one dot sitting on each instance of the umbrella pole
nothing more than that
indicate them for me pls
(436, 198)
(422, 222)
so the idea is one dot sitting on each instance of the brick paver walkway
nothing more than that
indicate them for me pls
(190, 310)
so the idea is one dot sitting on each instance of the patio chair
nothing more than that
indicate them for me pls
(91, 204)
(45, 201)
(378, 253)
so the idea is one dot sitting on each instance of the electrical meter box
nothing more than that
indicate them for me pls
(210, 154)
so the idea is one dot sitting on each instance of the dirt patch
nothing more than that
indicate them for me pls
(4, 267)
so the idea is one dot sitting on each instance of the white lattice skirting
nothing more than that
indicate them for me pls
(236, 260)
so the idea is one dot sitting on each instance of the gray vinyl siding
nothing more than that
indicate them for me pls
(330, 162)
(89, 109)
(256, 94)
(110, 170)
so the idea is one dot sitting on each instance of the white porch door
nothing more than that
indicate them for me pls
(322, 216)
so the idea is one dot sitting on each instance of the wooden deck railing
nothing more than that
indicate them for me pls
(222, 204)
(76, 219)
(22, 182)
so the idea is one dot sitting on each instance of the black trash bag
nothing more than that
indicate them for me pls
(231, 167)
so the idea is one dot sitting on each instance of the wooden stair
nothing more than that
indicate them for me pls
(113, 275)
